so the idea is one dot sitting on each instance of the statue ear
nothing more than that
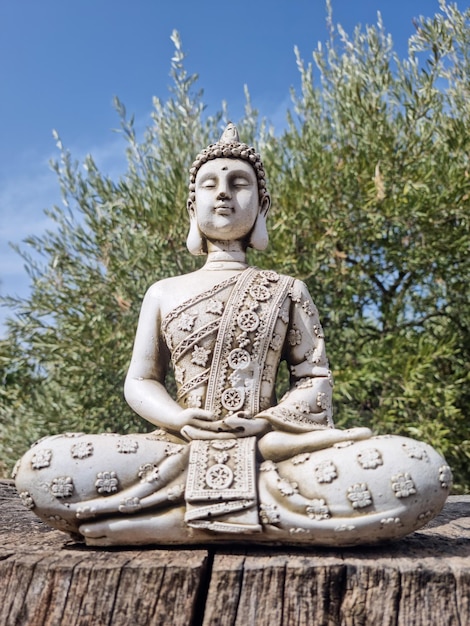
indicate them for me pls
(265, 204)
(195, 241)
(259, 237)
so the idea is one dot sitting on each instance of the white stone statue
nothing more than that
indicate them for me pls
(227, 461)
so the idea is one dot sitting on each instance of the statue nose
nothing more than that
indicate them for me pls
(223, 194)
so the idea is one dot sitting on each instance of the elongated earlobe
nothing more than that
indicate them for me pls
(259, 237)
(195, 241)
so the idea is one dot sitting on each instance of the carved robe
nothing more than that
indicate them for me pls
(226, 345)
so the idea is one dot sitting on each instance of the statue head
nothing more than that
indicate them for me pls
(229, 148)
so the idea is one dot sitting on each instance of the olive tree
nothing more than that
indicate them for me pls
(372, 204)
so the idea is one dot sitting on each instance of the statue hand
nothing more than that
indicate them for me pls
(192, 432)
(236, 425)
(247, 427)
(192, 417)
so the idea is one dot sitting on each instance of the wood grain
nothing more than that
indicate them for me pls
(47, 579)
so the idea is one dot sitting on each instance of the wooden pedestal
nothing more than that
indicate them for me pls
(48, 580)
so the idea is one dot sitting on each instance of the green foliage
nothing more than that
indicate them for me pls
(371, 198)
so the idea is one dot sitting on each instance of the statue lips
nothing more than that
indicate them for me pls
(223, 209)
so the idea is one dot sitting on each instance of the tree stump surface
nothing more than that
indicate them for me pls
(47, 579)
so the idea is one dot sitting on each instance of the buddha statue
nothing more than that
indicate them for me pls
(227, 461)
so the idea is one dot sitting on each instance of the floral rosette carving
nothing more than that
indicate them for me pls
(41, 459)
(62, 487)
(106, 482)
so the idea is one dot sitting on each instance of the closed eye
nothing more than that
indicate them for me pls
(208, 184)
(241, 182)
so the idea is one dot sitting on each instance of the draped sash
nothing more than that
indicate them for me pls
(221, 491)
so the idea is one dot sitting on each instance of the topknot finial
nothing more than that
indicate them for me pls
(230, 134)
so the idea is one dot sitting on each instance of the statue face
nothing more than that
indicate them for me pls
(227, 202)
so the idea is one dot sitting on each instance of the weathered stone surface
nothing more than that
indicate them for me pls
(49, 580)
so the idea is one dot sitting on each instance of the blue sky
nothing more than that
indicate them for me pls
(61, 63)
